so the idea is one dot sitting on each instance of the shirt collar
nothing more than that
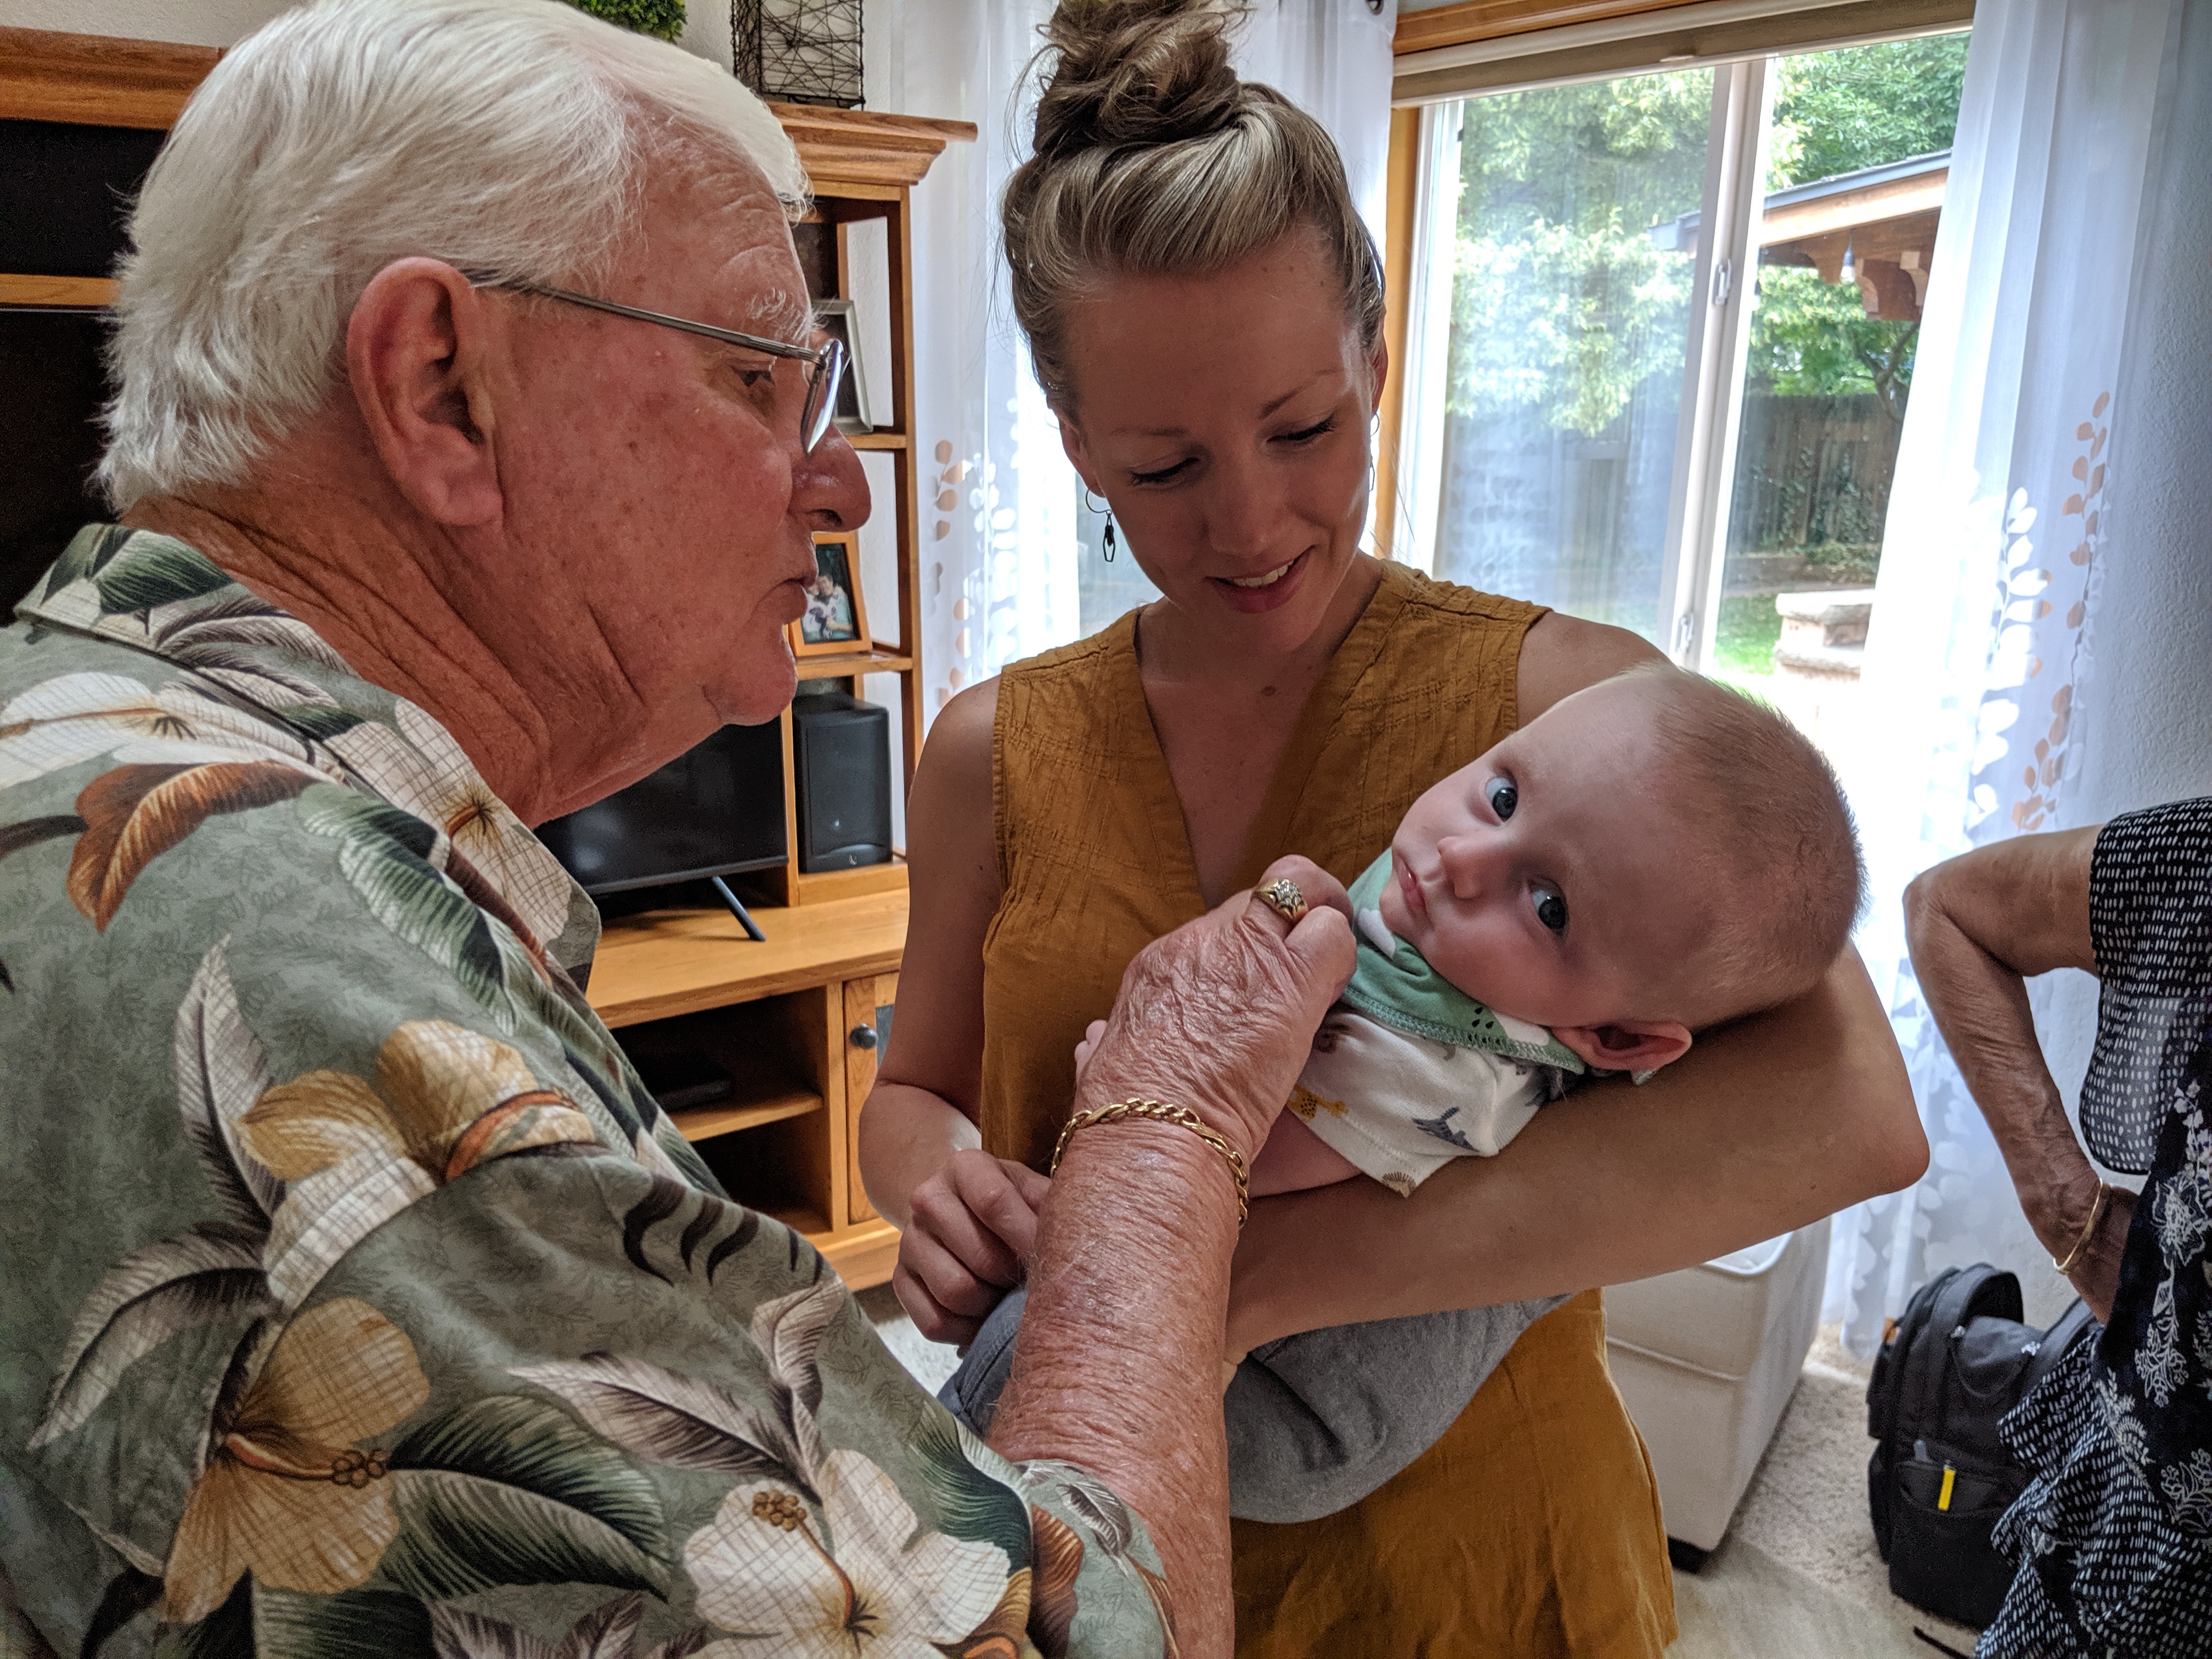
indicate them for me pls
(156, 594)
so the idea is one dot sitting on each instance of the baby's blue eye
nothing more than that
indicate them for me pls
(1502, 797)
(1551, 908)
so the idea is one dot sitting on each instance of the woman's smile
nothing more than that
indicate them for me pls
(1266, 591)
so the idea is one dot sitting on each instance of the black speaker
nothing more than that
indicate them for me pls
(842, 750)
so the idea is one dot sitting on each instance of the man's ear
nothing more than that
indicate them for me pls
(1630, 1045)
(416, 348)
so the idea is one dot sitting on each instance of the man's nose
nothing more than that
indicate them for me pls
(828, 487)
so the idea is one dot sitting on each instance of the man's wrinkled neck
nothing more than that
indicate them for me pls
(373, 592)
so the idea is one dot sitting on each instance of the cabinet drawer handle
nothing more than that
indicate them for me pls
(863, 1037)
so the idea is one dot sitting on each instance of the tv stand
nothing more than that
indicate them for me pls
(738, 910)
(797, 1021)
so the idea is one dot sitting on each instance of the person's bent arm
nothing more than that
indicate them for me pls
(1118, 1364)
(967, 1221)
(1762, 1128)
(1980, 926)
(1766, 1125)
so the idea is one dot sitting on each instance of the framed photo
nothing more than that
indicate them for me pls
(834, 319)
(837, 622)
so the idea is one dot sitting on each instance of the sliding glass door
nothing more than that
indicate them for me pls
(1662, 334)
(1555, 419)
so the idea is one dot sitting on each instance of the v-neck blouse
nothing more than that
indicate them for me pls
(1094, 855)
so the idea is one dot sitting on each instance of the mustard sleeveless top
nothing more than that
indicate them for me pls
(1533, 1526)
(1093, 856)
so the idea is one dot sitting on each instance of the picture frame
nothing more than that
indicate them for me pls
(835, 318)
(836, 619)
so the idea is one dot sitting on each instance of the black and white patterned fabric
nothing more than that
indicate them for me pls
(2113, 1535)
(2150, 917)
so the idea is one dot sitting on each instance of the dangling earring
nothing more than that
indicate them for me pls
(1107, 509)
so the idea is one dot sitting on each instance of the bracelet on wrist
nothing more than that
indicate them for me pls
(2088, 1231)
(1161, 1111)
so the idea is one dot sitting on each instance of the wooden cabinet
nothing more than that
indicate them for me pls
(798, 1021)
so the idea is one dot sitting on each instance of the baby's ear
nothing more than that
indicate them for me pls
(1629, 1045)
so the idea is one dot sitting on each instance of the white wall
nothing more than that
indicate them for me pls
(2146, 732)
(191, 22)
(225, 22)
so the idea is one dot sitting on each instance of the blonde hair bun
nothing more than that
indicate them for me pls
(1137, 72)
(1153, 158)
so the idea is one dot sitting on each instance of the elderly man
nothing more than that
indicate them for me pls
(468, 444)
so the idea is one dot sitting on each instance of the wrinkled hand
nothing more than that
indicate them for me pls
(1218, 1015)
(973, 1227)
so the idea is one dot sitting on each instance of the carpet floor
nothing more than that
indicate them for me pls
(1797, 1577)
(1798, 1573)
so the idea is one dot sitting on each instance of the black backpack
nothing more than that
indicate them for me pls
(1951, 1366)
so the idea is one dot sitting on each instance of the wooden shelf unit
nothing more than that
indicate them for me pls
(864, 167)
(780, 1017)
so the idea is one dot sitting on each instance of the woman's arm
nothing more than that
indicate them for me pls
(1765, 1127)
(967, 1220)
(1980, 926)
(1118, 1364)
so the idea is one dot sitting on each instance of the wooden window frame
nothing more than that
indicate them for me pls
(1523, 34)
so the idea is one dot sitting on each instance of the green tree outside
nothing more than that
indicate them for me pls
(1561, 298)
(1563, 304)
(1834, 112)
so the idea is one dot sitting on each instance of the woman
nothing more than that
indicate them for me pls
(2113, 1535)
(1205, 311)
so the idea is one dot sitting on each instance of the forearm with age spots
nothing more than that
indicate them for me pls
(1118, 1367)
(1978, 925)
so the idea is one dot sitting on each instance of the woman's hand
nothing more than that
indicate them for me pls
(971, 1229)
(1979, 926)
(1219, 1015)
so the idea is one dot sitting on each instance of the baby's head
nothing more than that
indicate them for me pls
(1649, 857)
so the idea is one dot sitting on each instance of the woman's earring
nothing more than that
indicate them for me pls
(1107, 509)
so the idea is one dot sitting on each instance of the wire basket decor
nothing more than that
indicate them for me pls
(798, 52)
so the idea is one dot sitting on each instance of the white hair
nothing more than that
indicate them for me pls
(513, 136)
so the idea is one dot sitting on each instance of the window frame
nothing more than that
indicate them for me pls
(1710, 417)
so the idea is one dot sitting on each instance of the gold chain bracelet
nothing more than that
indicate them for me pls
(2088, 1232)
(1160, 1111)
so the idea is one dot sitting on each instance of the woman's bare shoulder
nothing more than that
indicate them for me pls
(1561, 655)
(955, 770)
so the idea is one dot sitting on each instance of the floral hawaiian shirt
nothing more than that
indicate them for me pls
(358, 1299)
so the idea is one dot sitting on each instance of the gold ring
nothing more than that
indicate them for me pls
(1283, 896)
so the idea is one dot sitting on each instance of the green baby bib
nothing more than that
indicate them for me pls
(1400, 990)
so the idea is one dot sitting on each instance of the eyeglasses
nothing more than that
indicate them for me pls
(826, 364)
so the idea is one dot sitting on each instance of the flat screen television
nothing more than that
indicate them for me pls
(716, 811)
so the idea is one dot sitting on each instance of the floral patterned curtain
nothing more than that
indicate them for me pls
(2015, 454)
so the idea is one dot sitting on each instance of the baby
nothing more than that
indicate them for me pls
(1652, 857)
(1649, 858)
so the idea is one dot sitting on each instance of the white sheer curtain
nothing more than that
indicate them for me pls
(2012, 460)
(999, 521)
